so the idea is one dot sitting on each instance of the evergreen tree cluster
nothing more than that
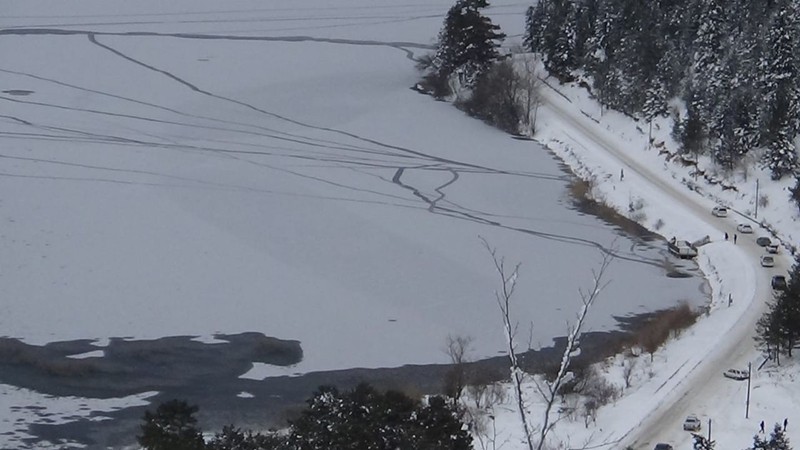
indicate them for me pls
(468, 42)
(777, 440)
(734, 63)
(778, 330)
(362, 418)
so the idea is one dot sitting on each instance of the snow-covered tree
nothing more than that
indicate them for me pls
(468, 42)
(777, 440)
(702, 443)
(365, 418)
(551, 30)
(782, 92)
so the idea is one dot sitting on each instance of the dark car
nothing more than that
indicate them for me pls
(662, 446)
(779, 283)
(763, 241)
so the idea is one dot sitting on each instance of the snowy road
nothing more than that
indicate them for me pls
(697, 386)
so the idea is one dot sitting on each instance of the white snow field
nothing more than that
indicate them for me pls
(193, 168)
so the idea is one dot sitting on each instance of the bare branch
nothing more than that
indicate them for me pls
(547, 390)
(504, 301)
(572, 345)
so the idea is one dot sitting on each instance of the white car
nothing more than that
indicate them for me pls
(692, 423)
(719, 211)
(773, 248)
(744, 228)
(736, 374)
(767, 261)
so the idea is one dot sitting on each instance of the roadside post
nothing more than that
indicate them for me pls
(747, 404)
(709, 430)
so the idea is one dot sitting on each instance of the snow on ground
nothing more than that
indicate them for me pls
(578, 132)
(199, 172)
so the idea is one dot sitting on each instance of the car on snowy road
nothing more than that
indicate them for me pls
(719, 211)
(692, 423)
(662, 446)
(767, 261)
(779, 283)
(773, 248)
(763, 241)
(736, 374)
(744, 228)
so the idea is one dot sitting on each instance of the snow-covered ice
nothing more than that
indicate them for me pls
(281, 178)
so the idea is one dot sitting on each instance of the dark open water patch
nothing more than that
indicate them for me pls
(208, 375)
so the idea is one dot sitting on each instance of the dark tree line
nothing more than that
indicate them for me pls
(362, 418)
(778, 330)
(733, 63)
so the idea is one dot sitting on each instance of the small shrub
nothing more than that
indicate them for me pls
(655, 331)
(658, 225)
(581, 189)
(436, 85)
(496, 98)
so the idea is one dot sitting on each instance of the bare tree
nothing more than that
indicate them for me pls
(548, 390)
(529, 83)
(456, 378)
(627, 371)
(503, 297)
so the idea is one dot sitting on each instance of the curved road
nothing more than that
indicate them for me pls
(702, 389)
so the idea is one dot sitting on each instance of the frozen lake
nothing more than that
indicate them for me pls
(194, 168)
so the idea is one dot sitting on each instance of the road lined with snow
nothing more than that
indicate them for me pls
(697, 385)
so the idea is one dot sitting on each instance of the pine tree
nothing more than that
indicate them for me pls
(701, 443)
(778, 439)
(367, 419)
(782, 93)
(171, 427)
(707, 75)
(694, 129)
(759, 443)
(535, 21)
(468, 42)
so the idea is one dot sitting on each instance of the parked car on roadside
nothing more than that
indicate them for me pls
(767, 261)
(692, 423)
(779, 283)
(662, 446)
(719, 211)
(736, 374)
(773, 248)
(744, 228)
(763, 241)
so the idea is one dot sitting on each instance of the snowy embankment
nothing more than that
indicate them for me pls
(611, 153)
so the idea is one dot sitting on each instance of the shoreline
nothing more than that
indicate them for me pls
(288, 393)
